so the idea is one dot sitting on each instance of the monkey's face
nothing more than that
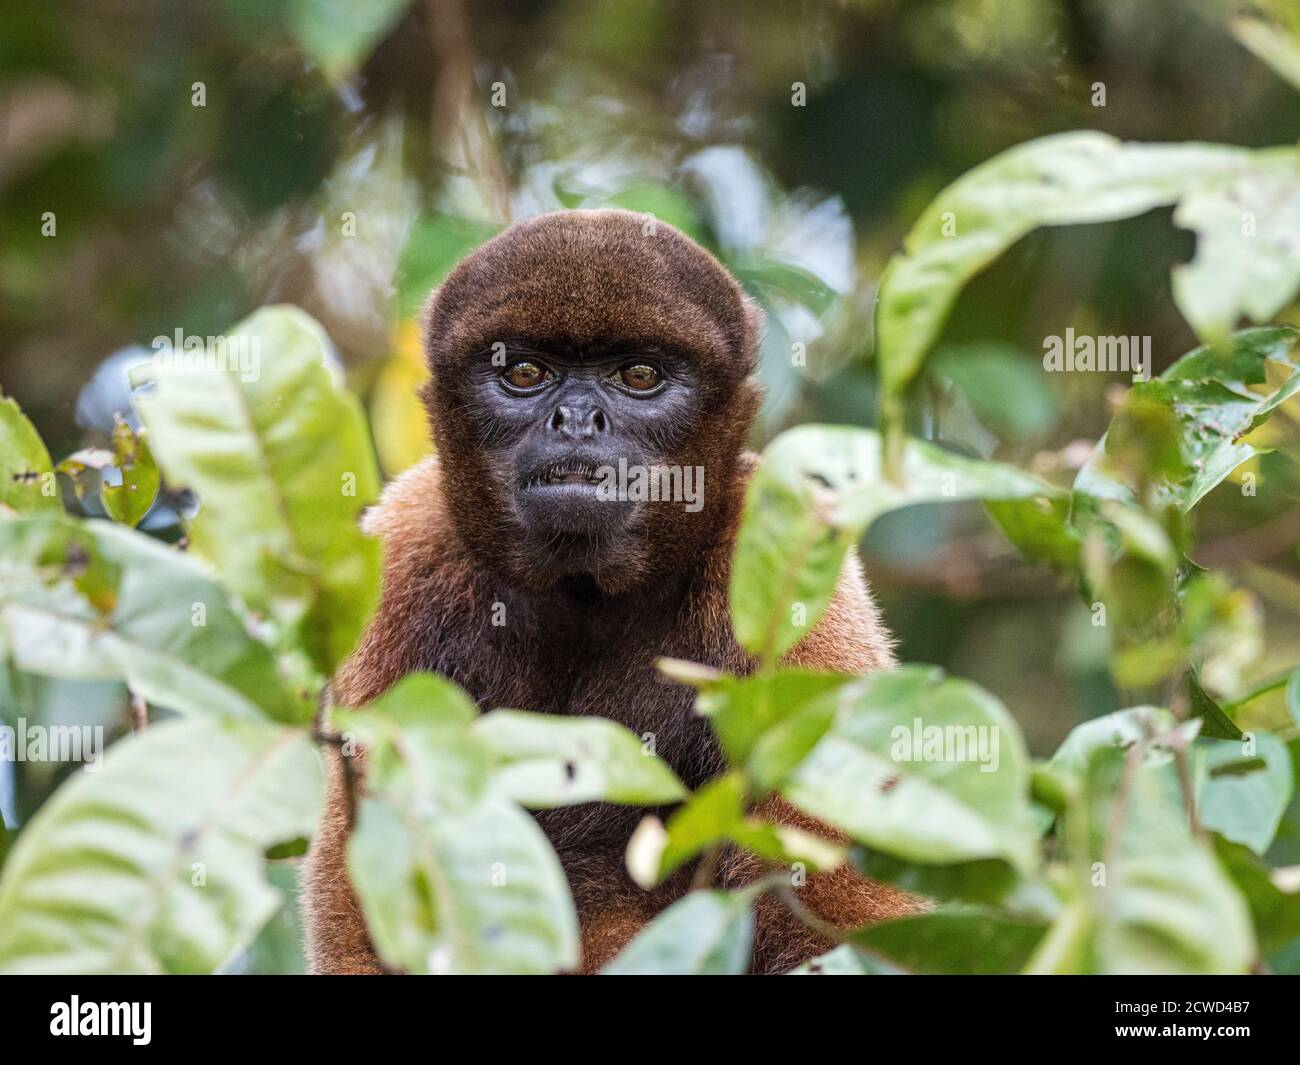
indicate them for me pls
(590, 398)
(584, 444)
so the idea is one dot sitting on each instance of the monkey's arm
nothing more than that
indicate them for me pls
(336, 937)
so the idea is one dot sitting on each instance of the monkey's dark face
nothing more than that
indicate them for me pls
(590, 398)
(568, 431)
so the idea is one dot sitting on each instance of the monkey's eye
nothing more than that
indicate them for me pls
(525, 375)
(639, 377)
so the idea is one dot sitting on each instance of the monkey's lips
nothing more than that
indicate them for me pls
(561, 500)
(564, 472)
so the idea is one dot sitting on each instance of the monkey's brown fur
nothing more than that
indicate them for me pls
(586, 278)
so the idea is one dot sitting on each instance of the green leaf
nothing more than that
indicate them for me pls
(26, 476)
(129, 500)
(714, 815)
(1215, 722)
(961, 939)
(706, 933)
(927, 769)
(1120, 730)
(154, 862)
(340, 34)
(95, 601)
(1244, 787)
(1274, 912)
(280, 456)
(543, 760)
(1066, 179)
(1158, 901)
(845, 960)
(452, 876)
(988, 881)
(1194, 416)
(471, 891)
(767, 723)
(1006, 389)
(1040, 529)
(1293, 696)
(437, 242)
(1247, 259)
(815, 492)
(419, 750)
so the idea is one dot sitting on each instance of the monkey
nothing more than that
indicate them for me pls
(568, 343)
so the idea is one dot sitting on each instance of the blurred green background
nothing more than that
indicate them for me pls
(172, 165)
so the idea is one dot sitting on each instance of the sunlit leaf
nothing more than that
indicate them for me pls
(472, 891)
(280, 457)
(452, 876)
(814, 493)
(927, 769)
(707, 933)
(93, 600)
(1150, 896)
(1065, 179)
(26, 475)
(544, 760)
(154, 862)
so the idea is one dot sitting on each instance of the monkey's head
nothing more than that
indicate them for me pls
(590, 398)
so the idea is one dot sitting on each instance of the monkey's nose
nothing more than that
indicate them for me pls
(578, 423)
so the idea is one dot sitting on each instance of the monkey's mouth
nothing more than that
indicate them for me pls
(565, 471)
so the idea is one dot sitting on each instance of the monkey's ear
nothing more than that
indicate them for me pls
(755, 323)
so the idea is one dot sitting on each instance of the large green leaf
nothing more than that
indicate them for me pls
(1065, 179)
(452, 876)
(812, 496)
(90, 600)
(437, 242)
(707, 933)
(281, 459)
(1246, 259)
(469, 891)
(927, 769)
(1150, 897)
(26, 476)
(154, 862)
(544, 760)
